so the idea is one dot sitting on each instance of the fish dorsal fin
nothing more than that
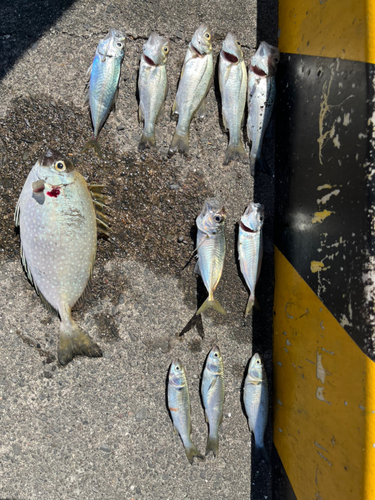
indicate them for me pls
(99, 199)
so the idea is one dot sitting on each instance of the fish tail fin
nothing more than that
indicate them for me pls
(259, 162)
(192, 451)
(93, 143)
(260, 453)
(212, 445)
(75, 342)
(211, 303)
(179, 143)
(250, 305)
(147, 141)
(235, 152)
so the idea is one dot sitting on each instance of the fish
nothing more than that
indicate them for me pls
(233, 89)
(211, 250)
(104, 82)
(152, 85)
(212, 391)
(58, 231)
(256, 403)
(179, 407)
(250, 247)
(261, 98)
(195, 81)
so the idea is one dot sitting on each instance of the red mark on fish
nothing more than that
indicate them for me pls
(54, 193)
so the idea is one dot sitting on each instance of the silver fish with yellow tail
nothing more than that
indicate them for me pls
(256, 403)
(58, 231)
(152, 85)
(250, 247)
(104, 81)
(260, 100)
(233, 88)
(211, 250)
(212, 391)
(179, 407)
(196, 78)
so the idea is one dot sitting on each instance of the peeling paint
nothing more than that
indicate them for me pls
(324, 186)
(346, 120)
(317, 266)
(325, 198)
(362, 136)
(320, 372)
(320, 216)
(336, 142)
(320, 395)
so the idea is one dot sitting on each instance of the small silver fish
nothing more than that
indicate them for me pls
(211, 250)
(179, 407)
(261, 98)
(212, 391)
(104, 80)
(57, 220)
(196, 78)
(256, 403)
(153, 86)
(233, 87)
(250, 247)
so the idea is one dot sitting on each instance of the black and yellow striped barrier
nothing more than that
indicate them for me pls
(324, 323)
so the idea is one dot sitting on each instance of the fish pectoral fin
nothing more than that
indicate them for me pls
(140, 114)
(205, 417)
(114, 102)
(197, 269)
(212, 385)
(88, 72)
(201, 111)
(175, 108)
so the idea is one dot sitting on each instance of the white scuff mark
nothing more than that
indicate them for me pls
(329, 352)
(344, 321)
(312, 362)
(336, 142)
(345, 403)
(325, 198)
(346, 120)
(325, 458)
(320, 372)
(371, 120)
(285, 349)
(362, 136)
(288, 342)
(361, 407)
(280, 430)
(320, 446)
(279, 363)
(279, 402)
(321, 325)
(320, 395)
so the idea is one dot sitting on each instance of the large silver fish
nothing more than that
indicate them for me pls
(153, 86)
(233, 87)
(196, 78)
(256, 403)
(250, 247)
(57, 220)
(104, 81)
(261, 98)
(179, 407)
(212, 391)
(211, 250)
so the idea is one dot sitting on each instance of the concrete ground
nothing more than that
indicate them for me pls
(99, 428)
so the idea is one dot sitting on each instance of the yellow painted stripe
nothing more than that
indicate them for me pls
(328, 28)
(324, 396)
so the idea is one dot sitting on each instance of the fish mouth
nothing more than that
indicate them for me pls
(246, 229)
(230, 57)
(196, 51)
(148, 60)
(258, 71)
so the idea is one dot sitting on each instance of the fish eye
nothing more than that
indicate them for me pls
(165, 49)
(207, 36)
(238, 43)
(177, 367)
(60, 166)
(258, 362)
(218, 218)
(216, 354)
(261, 218)
(276, 60)
(119, 44)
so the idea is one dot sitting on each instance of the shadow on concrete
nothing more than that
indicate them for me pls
(22, 23)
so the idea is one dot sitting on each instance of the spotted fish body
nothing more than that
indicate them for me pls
(212, 391)
(261, 98)
(256, 403)
(211, 250)
(152, 85)
(57, 221)
(104, 81)
(250, 247)
(195, 81)
(233, 87)
(179, 407)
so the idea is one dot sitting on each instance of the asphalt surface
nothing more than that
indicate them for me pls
(99, 428)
